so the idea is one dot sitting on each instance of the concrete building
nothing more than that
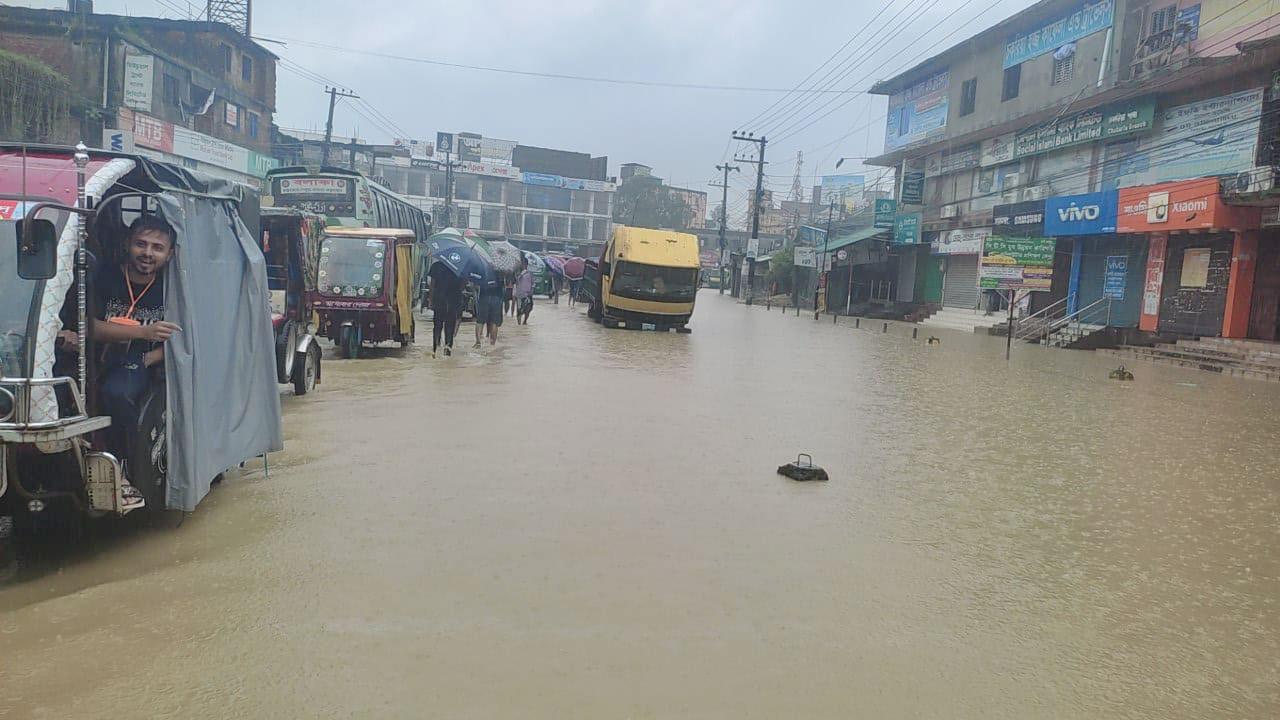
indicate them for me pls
(197, 94)
(1106, 155)
(695, 202)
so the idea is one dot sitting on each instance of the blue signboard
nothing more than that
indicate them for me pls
(1117, 275)
(530, 178)
(1081, 23)
(1087, 214)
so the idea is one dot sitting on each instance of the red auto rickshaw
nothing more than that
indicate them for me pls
(365, 287)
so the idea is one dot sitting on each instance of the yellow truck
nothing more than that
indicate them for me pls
(645, 280)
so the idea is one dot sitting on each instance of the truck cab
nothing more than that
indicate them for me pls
(648, 279)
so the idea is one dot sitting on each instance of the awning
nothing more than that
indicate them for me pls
(868, 233)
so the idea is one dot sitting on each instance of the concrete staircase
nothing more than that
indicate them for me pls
(1070, 334)
(1254, 359)
(963, 320)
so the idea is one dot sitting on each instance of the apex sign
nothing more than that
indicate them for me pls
(1087, 214)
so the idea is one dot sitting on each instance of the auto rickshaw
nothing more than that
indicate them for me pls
(291, 244)
(63, 213)
(366, 282)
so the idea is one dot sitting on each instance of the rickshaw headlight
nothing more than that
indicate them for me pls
(7, 404)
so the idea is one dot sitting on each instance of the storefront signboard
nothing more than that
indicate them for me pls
(1087, 214)
(1117, 275)
(1025, 219)
(964, 241)
(886, 210)
(1079, 24)
(906, 229)
(1116, 121)
(1186, 205)
(1017, 263)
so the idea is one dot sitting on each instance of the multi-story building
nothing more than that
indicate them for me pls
(1107, 156)
(695, 203)
(197, 94)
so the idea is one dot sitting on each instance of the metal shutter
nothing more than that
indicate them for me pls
(960, 283)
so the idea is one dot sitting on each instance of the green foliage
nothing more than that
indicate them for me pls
(782, 269)
(35, 100)
(646, 202)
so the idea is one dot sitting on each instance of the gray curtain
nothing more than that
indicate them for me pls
(223, 400)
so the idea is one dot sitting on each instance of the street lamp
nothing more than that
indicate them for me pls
(841, 160)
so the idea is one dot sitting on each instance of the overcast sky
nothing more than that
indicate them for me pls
(682, 133)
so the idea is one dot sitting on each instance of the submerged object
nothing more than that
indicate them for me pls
(1120, 374)
(803, 469)
(934, 340)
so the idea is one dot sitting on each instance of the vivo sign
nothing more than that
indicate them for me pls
(1088, 214)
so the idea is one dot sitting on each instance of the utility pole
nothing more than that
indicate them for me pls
(822, 262)
(753, 245)
(352, 162)
(334, 94)
(448, 188)
(724, 213)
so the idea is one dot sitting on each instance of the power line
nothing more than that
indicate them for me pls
(544, 75)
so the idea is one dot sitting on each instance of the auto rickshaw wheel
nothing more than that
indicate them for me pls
(148, 467)
(286, 347)
(306, 374)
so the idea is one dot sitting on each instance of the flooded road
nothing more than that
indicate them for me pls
(588, 523)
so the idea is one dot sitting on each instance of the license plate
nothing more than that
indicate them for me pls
(648, 326)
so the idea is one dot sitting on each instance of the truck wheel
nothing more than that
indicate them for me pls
(306, 371)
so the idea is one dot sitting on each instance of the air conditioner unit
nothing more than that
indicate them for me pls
(1256, 180)
(949, 211)
(1009, 197)
(1031, 193)
(1011, 181)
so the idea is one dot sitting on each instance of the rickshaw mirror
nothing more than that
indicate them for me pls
(36, 242)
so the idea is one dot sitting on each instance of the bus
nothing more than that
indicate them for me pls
(346, 198)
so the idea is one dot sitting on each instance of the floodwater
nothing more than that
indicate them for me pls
(588, 523)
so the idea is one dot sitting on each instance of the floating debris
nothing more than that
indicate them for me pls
(803, 469)
(1120, 374)
(934, 340)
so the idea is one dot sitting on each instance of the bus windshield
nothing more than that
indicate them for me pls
(352, 267)
(654, 282)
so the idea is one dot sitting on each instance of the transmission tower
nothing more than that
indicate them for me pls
(236, 13)
(797, 190)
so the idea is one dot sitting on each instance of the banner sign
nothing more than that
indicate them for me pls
(1117, 275)
(918, 114)
(997, 150)
(1024, 263)
(1218, 136)
(964, 241)
(139, 77)
(1081, 23)
(1024, 218)
(1087, 214)
(444, 142)
(156, 134)
(961, 158)
(886, 210)
(846, 190)
(912, 187)
(1086, 127)
(906, 229)
(805, 257)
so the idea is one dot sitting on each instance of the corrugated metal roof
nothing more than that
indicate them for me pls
(858, 235)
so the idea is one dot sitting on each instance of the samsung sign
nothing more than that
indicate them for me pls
(1088, 214)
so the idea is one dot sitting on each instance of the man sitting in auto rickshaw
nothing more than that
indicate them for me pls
(129, 318)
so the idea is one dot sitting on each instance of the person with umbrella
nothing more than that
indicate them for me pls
(489, 301)
(524, 293)
(451, 254)
(446, 306)
(574, 270)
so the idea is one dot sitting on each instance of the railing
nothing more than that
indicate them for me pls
(1034, 325)
(17, 394)
(1072, 325)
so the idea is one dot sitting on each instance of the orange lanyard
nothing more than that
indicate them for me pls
(133, 301)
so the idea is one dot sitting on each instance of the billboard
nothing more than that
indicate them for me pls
(1087, 214)
(1081, 23)
(1017, 263)
(918, 114)
(846, 190)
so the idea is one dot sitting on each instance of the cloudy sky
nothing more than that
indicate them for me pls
(682, 132)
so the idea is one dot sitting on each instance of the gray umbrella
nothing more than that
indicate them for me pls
(505, 257)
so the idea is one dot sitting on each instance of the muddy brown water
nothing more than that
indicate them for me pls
(588, 523)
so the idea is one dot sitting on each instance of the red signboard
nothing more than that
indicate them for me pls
(1186, 205)
(1150, 319)
(148, 132)
(6, 209)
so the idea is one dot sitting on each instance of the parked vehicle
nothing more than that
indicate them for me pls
(367, 280)
(63, 213)
(347, 198)
(645, 279)
(291, 244)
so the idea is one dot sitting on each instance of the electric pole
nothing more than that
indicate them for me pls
(724, 213)
(753, 245)
(334, 94)
(822, 263)
(448, 189)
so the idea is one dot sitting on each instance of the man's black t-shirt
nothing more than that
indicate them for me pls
(111, 296)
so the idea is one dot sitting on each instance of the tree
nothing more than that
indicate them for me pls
(645, 202)
(782, 269)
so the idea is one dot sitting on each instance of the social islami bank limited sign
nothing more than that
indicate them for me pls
(1085, 214)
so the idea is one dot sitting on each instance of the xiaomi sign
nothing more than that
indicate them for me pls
(1187, 205)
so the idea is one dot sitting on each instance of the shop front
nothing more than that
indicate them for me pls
(1103, 269)
(952, 268)
(1202, 255)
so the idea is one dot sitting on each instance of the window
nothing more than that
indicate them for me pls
(1064, 69)
(461, 217)
(437, 184)
(602, 203)
(532, 224)
(579, 228)
(558, 198)
(1012, 79)
(253, 125)
(491, 191)
(968, 97)
(198, 95)
(246, 69)
(536, 196)
(417, 183)
(581, 202)
(558, 226)
(600, 229)
(226, 58)
(513, 222)
(491, 219)
(1163, 19)
(466, 187)
(170, 87)
(515, 194)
